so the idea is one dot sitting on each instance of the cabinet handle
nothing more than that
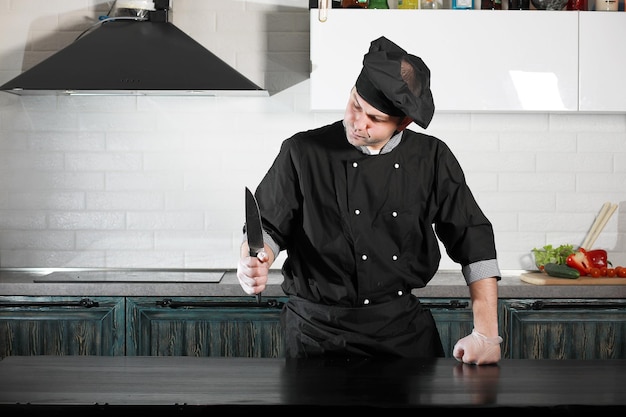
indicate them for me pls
(168, 302)
(452, 305)
(85, 302)
(564, 305)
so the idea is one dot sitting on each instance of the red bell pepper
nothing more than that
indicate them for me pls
(598, 258)
(580, 261)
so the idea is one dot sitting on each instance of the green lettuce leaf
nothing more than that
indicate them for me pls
(550, 254)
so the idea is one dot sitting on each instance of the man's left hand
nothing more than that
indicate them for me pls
(478, 349)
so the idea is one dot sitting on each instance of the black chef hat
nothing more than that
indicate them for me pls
(396, 83)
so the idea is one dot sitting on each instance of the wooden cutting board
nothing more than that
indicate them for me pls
(540, 278)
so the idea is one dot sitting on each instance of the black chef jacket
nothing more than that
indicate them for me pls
(357, 228)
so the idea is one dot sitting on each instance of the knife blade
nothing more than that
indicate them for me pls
(254, 230)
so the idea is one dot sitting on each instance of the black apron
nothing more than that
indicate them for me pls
(397, 328)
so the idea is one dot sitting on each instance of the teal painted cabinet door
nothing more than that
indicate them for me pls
(564, 329)
(454, 320)
(61, 326)
(211, 326)
(237, 326)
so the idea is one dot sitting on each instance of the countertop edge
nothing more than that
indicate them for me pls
(445, 284)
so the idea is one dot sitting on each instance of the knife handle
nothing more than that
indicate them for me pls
(257, 296)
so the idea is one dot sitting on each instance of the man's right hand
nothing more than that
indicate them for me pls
(252, 272)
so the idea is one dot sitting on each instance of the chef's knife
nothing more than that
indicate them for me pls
(254, 229)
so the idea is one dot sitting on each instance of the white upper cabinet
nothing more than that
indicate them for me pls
(480, 60)
(603, 61)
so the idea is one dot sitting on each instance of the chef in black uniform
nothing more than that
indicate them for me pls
(359, 205)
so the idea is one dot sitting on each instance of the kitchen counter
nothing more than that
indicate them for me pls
(185, 385)
(211, 282)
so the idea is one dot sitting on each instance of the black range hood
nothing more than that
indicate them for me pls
(134, 57)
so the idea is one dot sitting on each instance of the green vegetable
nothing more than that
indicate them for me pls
(560, 271)
(549, 254)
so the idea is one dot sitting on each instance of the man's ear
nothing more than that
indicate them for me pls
(404, 123)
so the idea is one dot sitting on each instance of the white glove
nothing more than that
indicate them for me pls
(247, 274)
(245, 282)
(478, 349)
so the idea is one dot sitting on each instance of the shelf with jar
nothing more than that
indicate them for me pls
(538, 5)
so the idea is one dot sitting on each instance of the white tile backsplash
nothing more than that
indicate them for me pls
(159, 181)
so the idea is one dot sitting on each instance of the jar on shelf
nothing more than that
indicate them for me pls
(408, 4)
(577, 5)
(353, 4)
(491, 4)
(378, 4)
(462, 4)
(524, 4)
(607, 5)
(431, 4)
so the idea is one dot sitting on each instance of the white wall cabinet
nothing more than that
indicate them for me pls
(602, 61)
(482, 60)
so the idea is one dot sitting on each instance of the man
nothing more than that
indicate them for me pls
(358, 205)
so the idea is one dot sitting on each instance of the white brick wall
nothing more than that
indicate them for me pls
(158, 181)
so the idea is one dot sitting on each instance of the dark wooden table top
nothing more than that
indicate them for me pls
(191, 383)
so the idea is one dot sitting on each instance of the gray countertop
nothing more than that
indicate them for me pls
(211, 282)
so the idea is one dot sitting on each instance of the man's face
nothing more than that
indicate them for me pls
(367, 126)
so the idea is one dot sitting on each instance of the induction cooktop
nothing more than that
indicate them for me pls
(133, 275)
